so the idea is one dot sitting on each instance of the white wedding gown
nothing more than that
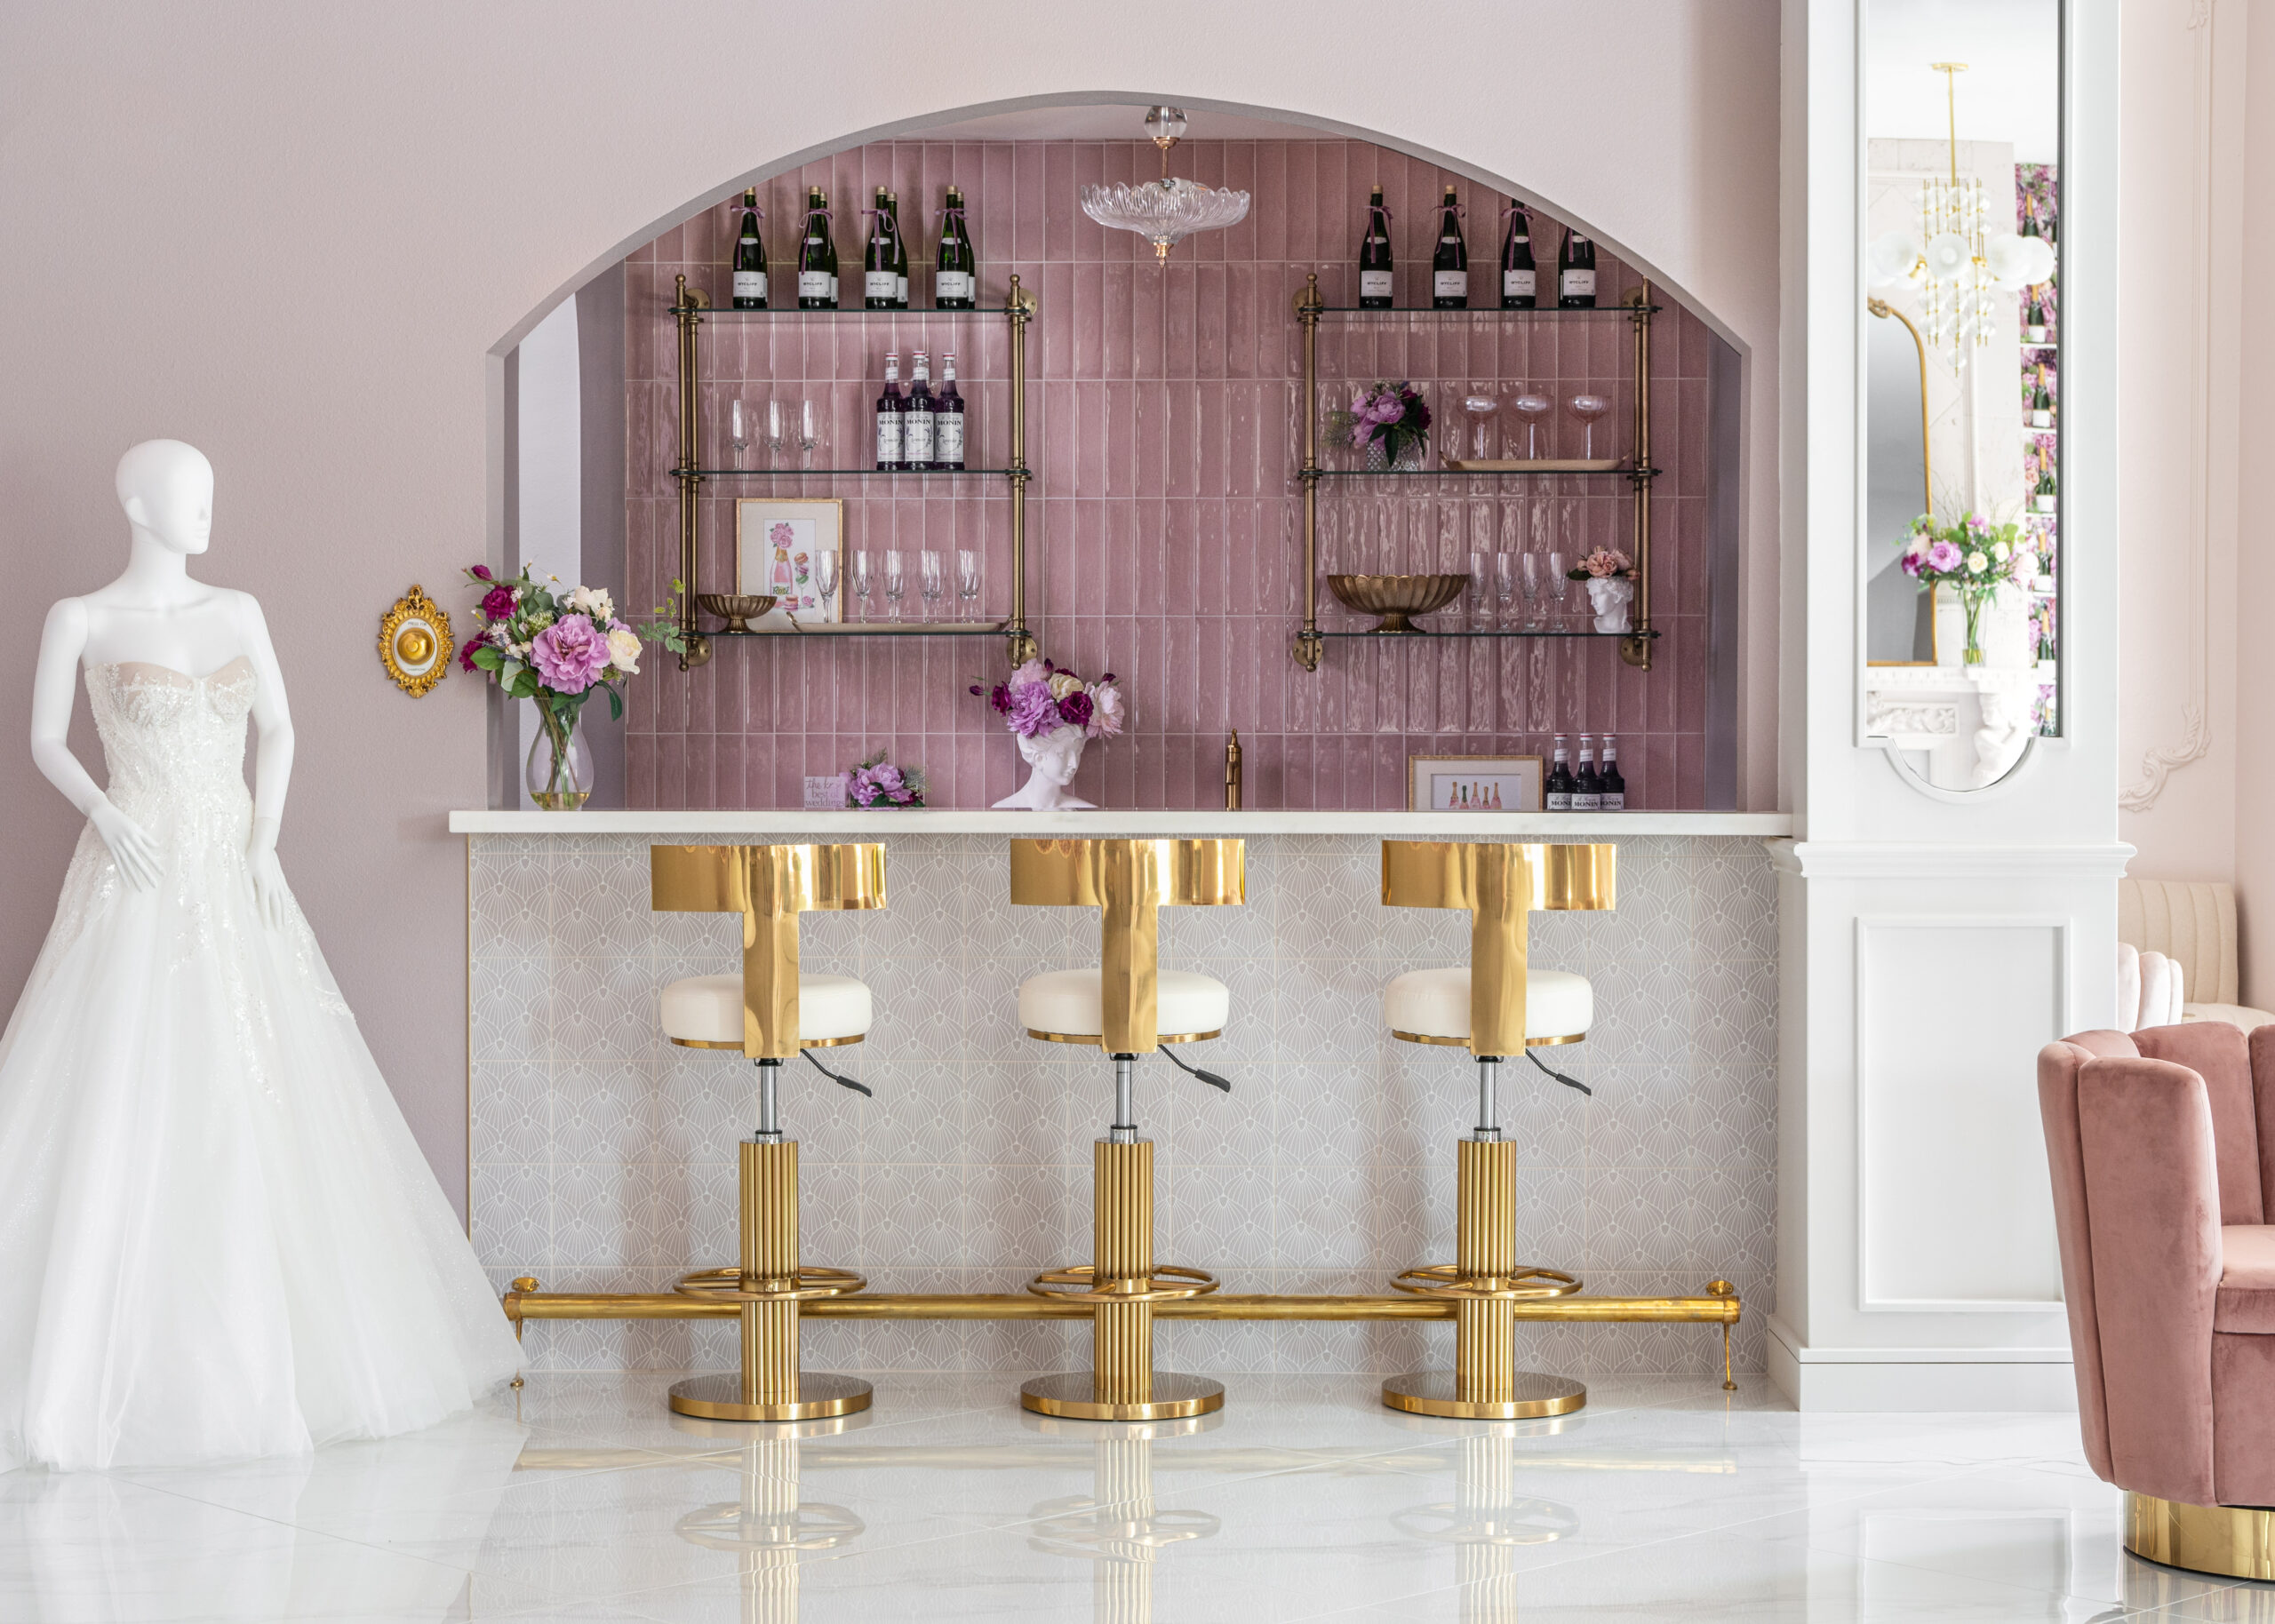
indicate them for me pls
(218, 1238)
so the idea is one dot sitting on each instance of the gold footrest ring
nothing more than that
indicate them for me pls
(1447, 1280)
(1529, 1396)
(726, 1285)
(1061, 1283)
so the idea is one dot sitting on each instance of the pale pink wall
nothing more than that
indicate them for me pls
(300, 236)
(2255, 596)
(1163, 524)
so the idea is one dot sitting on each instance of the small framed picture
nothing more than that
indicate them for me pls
(1474, 783)
(778, 547)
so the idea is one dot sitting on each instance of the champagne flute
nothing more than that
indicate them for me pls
(896, 581)
(739, 426)
(1532, 406)
(809, 430)
(864, 580)
(1480, 592)
(1558, 561)
(1588, 408)
(778, 432)
(1504, 584)
(967, 577)
(931, 580)
(826, 581)
(1532, 591)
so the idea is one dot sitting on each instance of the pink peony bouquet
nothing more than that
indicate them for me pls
(878, 782)
(1392, 415)
(1040, 698)
(1975, 558)
(1603, 564)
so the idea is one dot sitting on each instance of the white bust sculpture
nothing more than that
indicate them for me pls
(155, 613)
(1055, 756)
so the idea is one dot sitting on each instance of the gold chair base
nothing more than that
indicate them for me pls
(1431, 1392)
(1075, 1395)
(720, 1397)
(2238, 1541)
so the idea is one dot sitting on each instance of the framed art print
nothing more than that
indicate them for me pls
(1474, 783)
(778, 543)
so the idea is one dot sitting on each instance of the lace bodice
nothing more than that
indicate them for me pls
(174, 745)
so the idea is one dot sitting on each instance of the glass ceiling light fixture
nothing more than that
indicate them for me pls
(1961, 264)
(1163, 212)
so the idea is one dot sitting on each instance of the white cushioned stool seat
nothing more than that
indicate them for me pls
(1067, 1003)
(709, 1010)
(1435, 1004)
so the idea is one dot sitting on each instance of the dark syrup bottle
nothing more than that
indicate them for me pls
(1557, 792)
(1587, 789)
(947, 418)
(892, 415)
(1609, 784)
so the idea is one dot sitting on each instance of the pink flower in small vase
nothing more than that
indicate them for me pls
(570, 654)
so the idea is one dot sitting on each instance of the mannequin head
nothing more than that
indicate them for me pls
(167, 490)
(1056, 756)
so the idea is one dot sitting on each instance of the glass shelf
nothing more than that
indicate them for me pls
(879, 628)
(874, 315)
(867, 474)
(1484, 473)
(1426, 631)
(1550, 310)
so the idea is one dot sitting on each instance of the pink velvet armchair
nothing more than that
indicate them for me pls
(2162, 1145)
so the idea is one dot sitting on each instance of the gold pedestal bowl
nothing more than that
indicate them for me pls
(1396, 598)
(736, 610)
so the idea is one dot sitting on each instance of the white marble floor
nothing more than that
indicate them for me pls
(1664, 1498)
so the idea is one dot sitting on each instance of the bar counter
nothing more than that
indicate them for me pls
(1104, 822)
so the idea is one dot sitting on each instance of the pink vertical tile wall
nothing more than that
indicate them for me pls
(1164, 520)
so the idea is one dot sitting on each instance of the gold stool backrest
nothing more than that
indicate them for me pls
(1128, 881)
(769, 886)
(1500, 884)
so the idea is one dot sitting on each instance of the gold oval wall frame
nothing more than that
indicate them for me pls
(415, 641)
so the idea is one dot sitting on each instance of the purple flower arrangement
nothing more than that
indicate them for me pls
(1040, 698)
(1974, 557)
(1392, 415)
(878, 782)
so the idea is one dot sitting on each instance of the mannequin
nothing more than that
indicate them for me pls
(218, 1238)
(1056, 757)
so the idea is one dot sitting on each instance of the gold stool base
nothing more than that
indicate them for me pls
(1075, 1394)
(720, 1397)
(2235, 1540)
(1431, 1392)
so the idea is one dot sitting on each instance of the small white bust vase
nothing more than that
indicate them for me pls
(1609, 595)
(1055, 756)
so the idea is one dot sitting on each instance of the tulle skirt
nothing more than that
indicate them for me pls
(218, 1238)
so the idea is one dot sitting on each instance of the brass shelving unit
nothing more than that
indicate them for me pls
(1636, 308)
(689, 307)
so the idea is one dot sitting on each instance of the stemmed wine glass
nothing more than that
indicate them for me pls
(931, 580)
(826, 580)
(1532, 592)
(1504, 584)
(864, 580)
(1588, 408)
(1530, 405)
(809, 431)
(1479, 406)
(1558, 561)
(739, 425)
(778, 432)
(967, 577)
(896, 581)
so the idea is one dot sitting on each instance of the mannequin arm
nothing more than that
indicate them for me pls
(272, 721)
(61, 642)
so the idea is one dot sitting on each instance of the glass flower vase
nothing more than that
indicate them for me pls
(1973, 603)
(559, 775)
(1405, 459)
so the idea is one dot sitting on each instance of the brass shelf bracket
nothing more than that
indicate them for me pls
(1019, 644)
(1309, 645)
(1635, 647)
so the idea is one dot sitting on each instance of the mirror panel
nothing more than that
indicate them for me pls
(1960, 551)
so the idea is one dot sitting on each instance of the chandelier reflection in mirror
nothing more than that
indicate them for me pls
(1961, 265)
(1167, 211)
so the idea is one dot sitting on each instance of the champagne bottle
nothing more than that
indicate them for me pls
(900, 254)
(1575, 271)
(2041, 404)
(2034, 323)
(2043, 498)
(918, 423)
(750, 257)
(1374, 256)
(1609, 784)
(892, 418)
(816, 256)
(877, 286)
(947, 418)
(1520, 279)
(956, 283)
(1449, 267)
(1587, 790)
(1558, 791)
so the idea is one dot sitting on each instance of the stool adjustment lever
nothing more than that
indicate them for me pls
(844, 1081)
(1209, 1078)
(1569, 1082)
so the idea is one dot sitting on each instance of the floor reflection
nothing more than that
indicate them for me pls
(770, 1527)
(1117, 1527)
(1488, 1518)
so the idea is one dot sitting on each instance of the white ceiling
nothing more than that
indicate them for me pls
(2011, 91)
(1106, 122)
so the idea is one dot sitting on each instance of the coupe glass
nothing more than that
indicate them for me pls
(809, 431)
(1588, 408)
(741, 421)
(825, 578)
(968, 577)
(864, 581)
(1479, 407)
(896, 581)
(778, 432)
(1533, 407)
(931, 580)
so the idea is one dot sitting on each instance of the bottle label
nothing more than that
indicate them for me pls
(832, 287)
(1450, 284)
(750, 284)
(1559, 801)
(916, 438)
(1519, 284)
(952, 284)
(1615, 801)
(1582, 801)
(814, 284)
(1578, 284)
(948, 436)
(2040, 417)
(900, 289)
(888, 437)
(878, 284)
(1373, 285)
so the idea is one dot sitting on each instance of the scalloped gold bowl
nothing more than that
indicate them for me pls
(1396, 598)
(736, 609)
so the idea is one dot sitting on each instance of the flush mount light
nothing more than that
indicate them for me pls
(1166, 211)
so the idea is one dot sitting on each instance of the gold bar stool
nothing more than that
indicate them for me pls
(771, 1012)
(1494, 1005)
(1128, 1006)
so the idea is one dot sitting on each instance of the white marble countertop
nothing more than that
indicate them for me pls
(1597, 826)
